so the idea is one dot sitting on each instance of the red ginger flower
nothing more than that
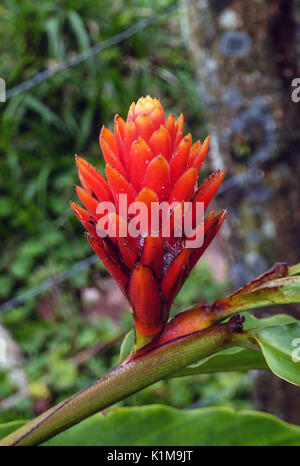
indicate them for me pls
(150, 160)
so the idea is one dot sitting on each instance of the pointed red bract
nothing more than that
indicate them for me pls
(208, 189)
(157, 177)
(130, 135)
(209, 235)
(87, 221)
(139, 158)
(195, 150)
(109, 138)
(147, 196)
(198, 154)
(153, 254)
(148, 313)
(178, 162)
(174, 276)
(119, 185)
(178, 130)
(145, 127)
(88, 201)
(115, 270)
(184, 187)
(119, 126)
(109, 155)
(85, 184)
(160, 142)
(95, 180)
(128, 246)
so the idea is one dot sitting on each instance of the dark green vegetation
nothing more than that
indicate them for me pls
(162, 425)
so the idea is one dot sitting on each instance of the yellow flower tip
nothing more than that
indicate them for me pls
(147, 106)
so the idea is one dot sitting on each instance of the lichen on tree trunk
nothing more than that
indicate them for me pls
(246, 54)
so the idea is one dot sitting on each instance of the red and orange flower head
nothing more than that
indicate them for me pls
(150, 160)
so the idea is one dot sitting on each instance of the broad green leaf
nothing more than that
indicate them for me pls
(162, 425)
(278, 319)
(281, 348)
(236, 359)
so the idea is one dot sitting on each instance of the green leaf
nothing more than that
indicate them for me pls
(294, 270)
(278, 319)
(281, 348)
(161, 425)
(52, 28)
(79, 29)
(236, 359)
(231, 359)
(127, 345)
(8, 427)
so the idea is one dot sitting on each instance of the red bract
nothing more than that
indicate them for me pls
(150, 160)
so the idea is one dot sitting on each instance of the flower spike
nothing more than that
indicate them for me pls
(151, 163)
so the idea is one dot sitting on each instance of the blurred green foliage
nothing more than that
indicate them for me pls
(41, 130)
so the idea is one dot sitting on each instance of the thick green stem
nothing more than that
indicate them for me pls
(125, 380)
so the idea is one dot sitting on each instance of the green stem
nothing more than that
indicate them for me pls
(125, 380)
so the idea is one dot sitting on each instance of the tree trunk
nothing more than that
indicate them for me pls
(246, 55)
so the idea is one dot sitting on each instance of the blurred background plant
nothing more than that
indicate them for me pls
(71, 333)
